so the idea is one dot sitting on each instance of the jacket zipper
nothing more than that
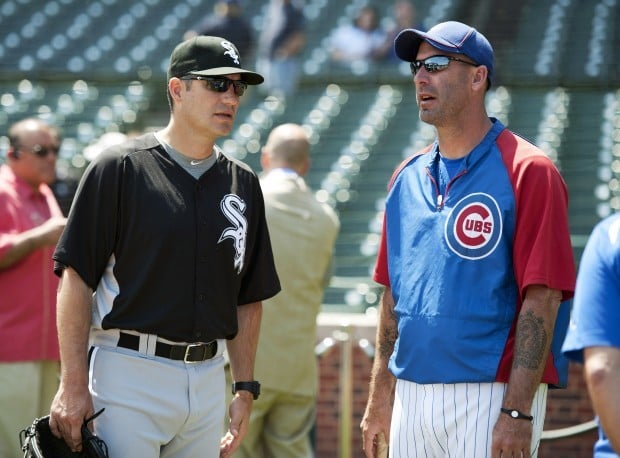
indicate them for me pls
(441, 198)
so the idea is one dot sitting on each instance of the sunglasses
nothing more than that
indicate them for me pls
(43, 151)
(220, 83)
(436, 64)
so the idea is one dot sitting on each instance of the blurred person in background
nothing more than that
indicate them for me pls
(227, 21)
(65, 188)
(30, 224)
(404, 16)
(303, 233)
(281, 41)
(593, 337)
(106, 140)
(361, 39)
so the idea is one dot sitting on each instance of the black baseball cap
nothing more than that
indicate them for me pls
(209, 56)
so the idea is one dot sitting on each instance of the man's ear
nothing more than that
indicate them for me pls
(13, 153)
(264, 159)
(480, 76)
(174, 86)
(304, 168)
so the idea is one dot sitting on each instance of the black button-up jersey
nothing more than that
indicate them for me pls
(165, 253)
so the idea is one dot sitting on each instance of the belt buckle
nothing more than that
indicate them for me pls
(187, 353)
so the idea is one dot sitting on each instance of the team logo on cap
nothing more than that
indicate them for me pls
(230, 51)
(474, 227)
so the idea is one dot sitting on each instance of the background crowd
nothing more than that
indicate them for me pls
(276, 51)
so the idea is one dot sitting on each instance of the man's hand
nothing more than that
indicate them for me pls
(511, 437)
(375, 427)
(51, 229)
(69, 410)
(73, 403)
(239, 410)
(378, 415)
(45, 235)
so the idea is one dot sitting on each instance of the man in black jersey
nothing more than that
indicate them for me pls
(165, 261)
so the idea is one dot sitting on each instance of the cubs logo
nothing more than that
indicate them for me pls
(230, 51)
(474, 227)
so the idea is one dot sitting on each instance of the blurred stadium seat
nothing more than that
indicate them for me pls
(99, 66)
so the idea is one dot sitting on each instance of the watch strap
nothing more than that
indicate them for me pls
(517, 415)
(253, 387)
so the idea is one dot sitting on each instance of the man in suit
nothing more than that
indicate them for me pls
(303, 233)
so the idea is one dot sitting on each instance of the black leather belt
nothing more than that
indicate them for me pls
(192, 353)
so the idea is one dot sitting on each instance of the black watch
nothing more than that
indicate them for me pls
(514, 413)
(253, 387)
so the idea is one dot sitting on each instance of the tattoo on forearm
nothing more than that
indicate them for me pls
(531, 341)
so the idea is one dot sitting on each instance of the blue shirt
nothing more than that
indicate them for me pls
(459, 251)
(595, 319)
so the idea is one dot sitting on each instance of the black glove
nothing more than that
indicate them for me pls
(37, 441)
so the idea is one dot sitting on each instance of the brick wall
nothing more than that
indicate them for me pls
(327, 427)
(567, 407)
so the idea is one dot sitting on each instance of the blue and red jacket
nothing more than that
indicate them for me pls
(459, 253)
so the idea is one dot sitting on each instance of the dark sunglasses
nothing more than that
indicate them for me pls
(220, 83)
(43, 151)
(436, 64)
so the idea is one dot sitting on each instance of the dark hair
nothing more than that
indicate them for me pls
(14, 142)
(188, 84)
(16, 132)
(368, 9)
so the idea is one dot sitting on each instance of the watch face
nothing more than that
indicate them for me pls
(514, 414)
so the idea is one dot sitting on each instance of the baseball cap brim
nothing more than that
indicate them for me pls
(408, 42)
(246, 75)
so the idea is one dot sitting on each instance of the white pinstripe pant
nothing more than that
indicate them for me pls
(452, 420)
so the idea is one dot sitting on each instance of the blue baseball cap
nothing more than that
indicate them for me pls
(451, 36)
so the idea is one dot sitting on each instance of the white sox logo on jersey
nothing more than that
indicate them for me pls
(230, 51)
(233, 208)
(474, 227)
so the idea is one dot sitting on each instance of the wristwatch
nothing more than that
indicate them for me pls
(253, 387)
(514, 413)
